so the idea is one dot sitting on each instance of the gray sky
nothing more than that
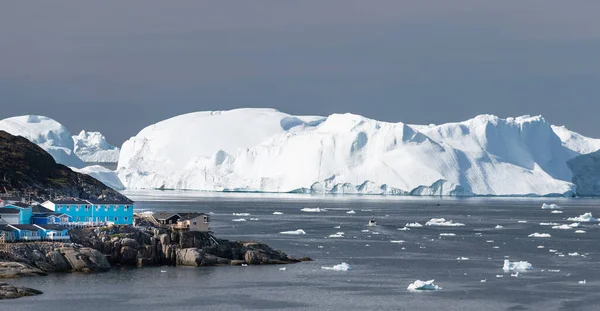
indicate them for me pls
(118, 66)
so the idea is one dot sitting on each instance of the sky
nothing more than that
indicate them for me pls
(119, 66)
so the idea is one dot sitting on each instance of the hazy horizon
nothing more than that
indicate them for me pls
(116, 67)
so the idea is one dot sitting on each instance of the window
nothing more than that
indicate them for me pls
(87, 208)
(194, 223)
(126, 218)
(106, 208)
(106, 218)
(206, 219)
(115, 208)
(97, 208)
(77, 208)
(115, 218)
(58, 207)
(126, 208)
(68, 208)
(77, 218)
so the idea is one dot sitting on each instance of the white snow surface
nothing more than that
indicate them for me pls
(52, 136)
(575, 141)
(270, 151)
(419, 285)
(102, 174)
(93, 147)
(516, 266)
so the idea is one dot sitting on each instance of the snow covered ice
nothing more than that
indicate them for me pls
(296, 232)
(447, 234)
(341, 267)
(239, 220)
(550, 206)
(351, 212)
(312, 210)
(587, 217)
(103, 174)
(93, 147)
(539, 235)
(337, 235)
(419, 285)
(441, 222)
(518, 266)
(413, 225)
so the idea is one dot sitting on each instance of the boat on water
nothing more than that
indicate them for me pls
(372, 222)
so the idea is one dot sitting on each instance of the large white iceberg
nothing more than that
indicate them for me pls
(587, 217)
(102, 174)
(93, 147)
(441, 222)
(267, 150)
(516, 266)
(419, 285)
(52, 136)
(341, 267)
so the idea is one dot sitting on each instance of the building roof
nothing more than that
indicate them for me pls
(6, 228)
(189, 216)
(109, 202)
(38, 209)
(164, 215)
(26, 227)
(20, 204)
(51, 227)
(8, 210)
(69, 201)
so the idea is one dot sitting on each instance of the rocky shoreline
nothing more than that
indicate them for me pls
(99, 249)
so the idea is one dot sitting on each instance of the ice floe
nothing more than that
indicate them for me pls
(241, 214)
(295, 232)
(516, 266)
(419, 285)
(579, 231)
(549, 224)
(341, 267)
(498, 227)
(413, 225)
(397, 241)
(550, 206)
(539, 235)
(254, 219)
(277, 213)
(582, 282)
(351, 212)
(462, 258)
(483, 281)
(575, 254)
(443, 223)
(540, 246)
(282, 269)
(404, 229)
(556, 212)
(562, 227)
(365, 231)
(522, 221)
(313, 210)
(447, 234)
(337, 227)
(587, 217)
(239, 219)
(337, 235)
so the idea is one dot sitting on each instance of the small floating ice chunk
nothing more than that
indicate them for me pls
(522, 221)
(549, 224)
(244, 265)
(462, 258)
(539, 235)
(419, 285)
(498, 227)
(413, 225)
(489, 241)
(587, 217)
(550, 206)
(516, 266)
(337, 227)
(553, 270)
(337, 235)
(483, 281)
(556, 212)
(562, 227)
(296, 232)
(254, 219)
(447, 234)
(239, 219)
(552, 250)
(404, 229)
(540, 246)
(575, 225)
(582, 282)
(241, 214)
(575, 254)
(341, 267)
(351, 212)
(397, 241)
(365, 231)
(499, 275)
(579, 231)
(496, 247)
(277, 213)
(313, 210)
(282, 269)
(441, 222)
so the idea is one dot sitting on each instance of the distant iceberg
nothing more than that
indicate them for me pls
(441, 222)
(313, 210)
(419, 285)
(296, 232)
(539, 235)
(413, 225)
(550, 206)
(337, 235)
(518, 266)
(341, 267)
(587, 217)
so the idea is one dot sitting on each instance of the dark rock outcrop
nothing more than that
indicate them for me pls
(8, 291)
(28, 170)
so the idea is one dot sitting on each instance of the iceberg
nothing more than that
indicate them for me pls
(341, 267)
(499, 227)
(518, 266)
(52, 136)
(92, 147)
(241, 214)
(549, 224)
(397, 241)
(239, 220)
(556, 212)
(419, 285)
(351, 212)
(296, 232)
(447, 234)
(337, 235)
(579, 231)
(413, 225)
(102, 174)
(587, 217)
(563, 227)
(539, 235)
(443, 223)
(550, 206)
(264, 150)
(277, 213)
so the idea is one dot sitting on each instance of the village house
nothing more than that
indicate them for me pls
(54, 232)
(93, 211)
(27, 232)
(7, 234)
(183, 221)
(16, 213)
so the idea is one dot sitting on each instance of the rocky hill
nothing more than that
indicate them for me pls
(27, 169)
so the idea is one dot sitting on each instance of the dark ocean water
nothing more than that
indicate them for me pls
(382, 270)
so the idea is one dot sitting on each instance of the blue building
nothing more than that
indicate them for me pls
(8, 234)
(27, 232)
(16, 213)
(42, 216)
(54, 232)
(94, 211)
